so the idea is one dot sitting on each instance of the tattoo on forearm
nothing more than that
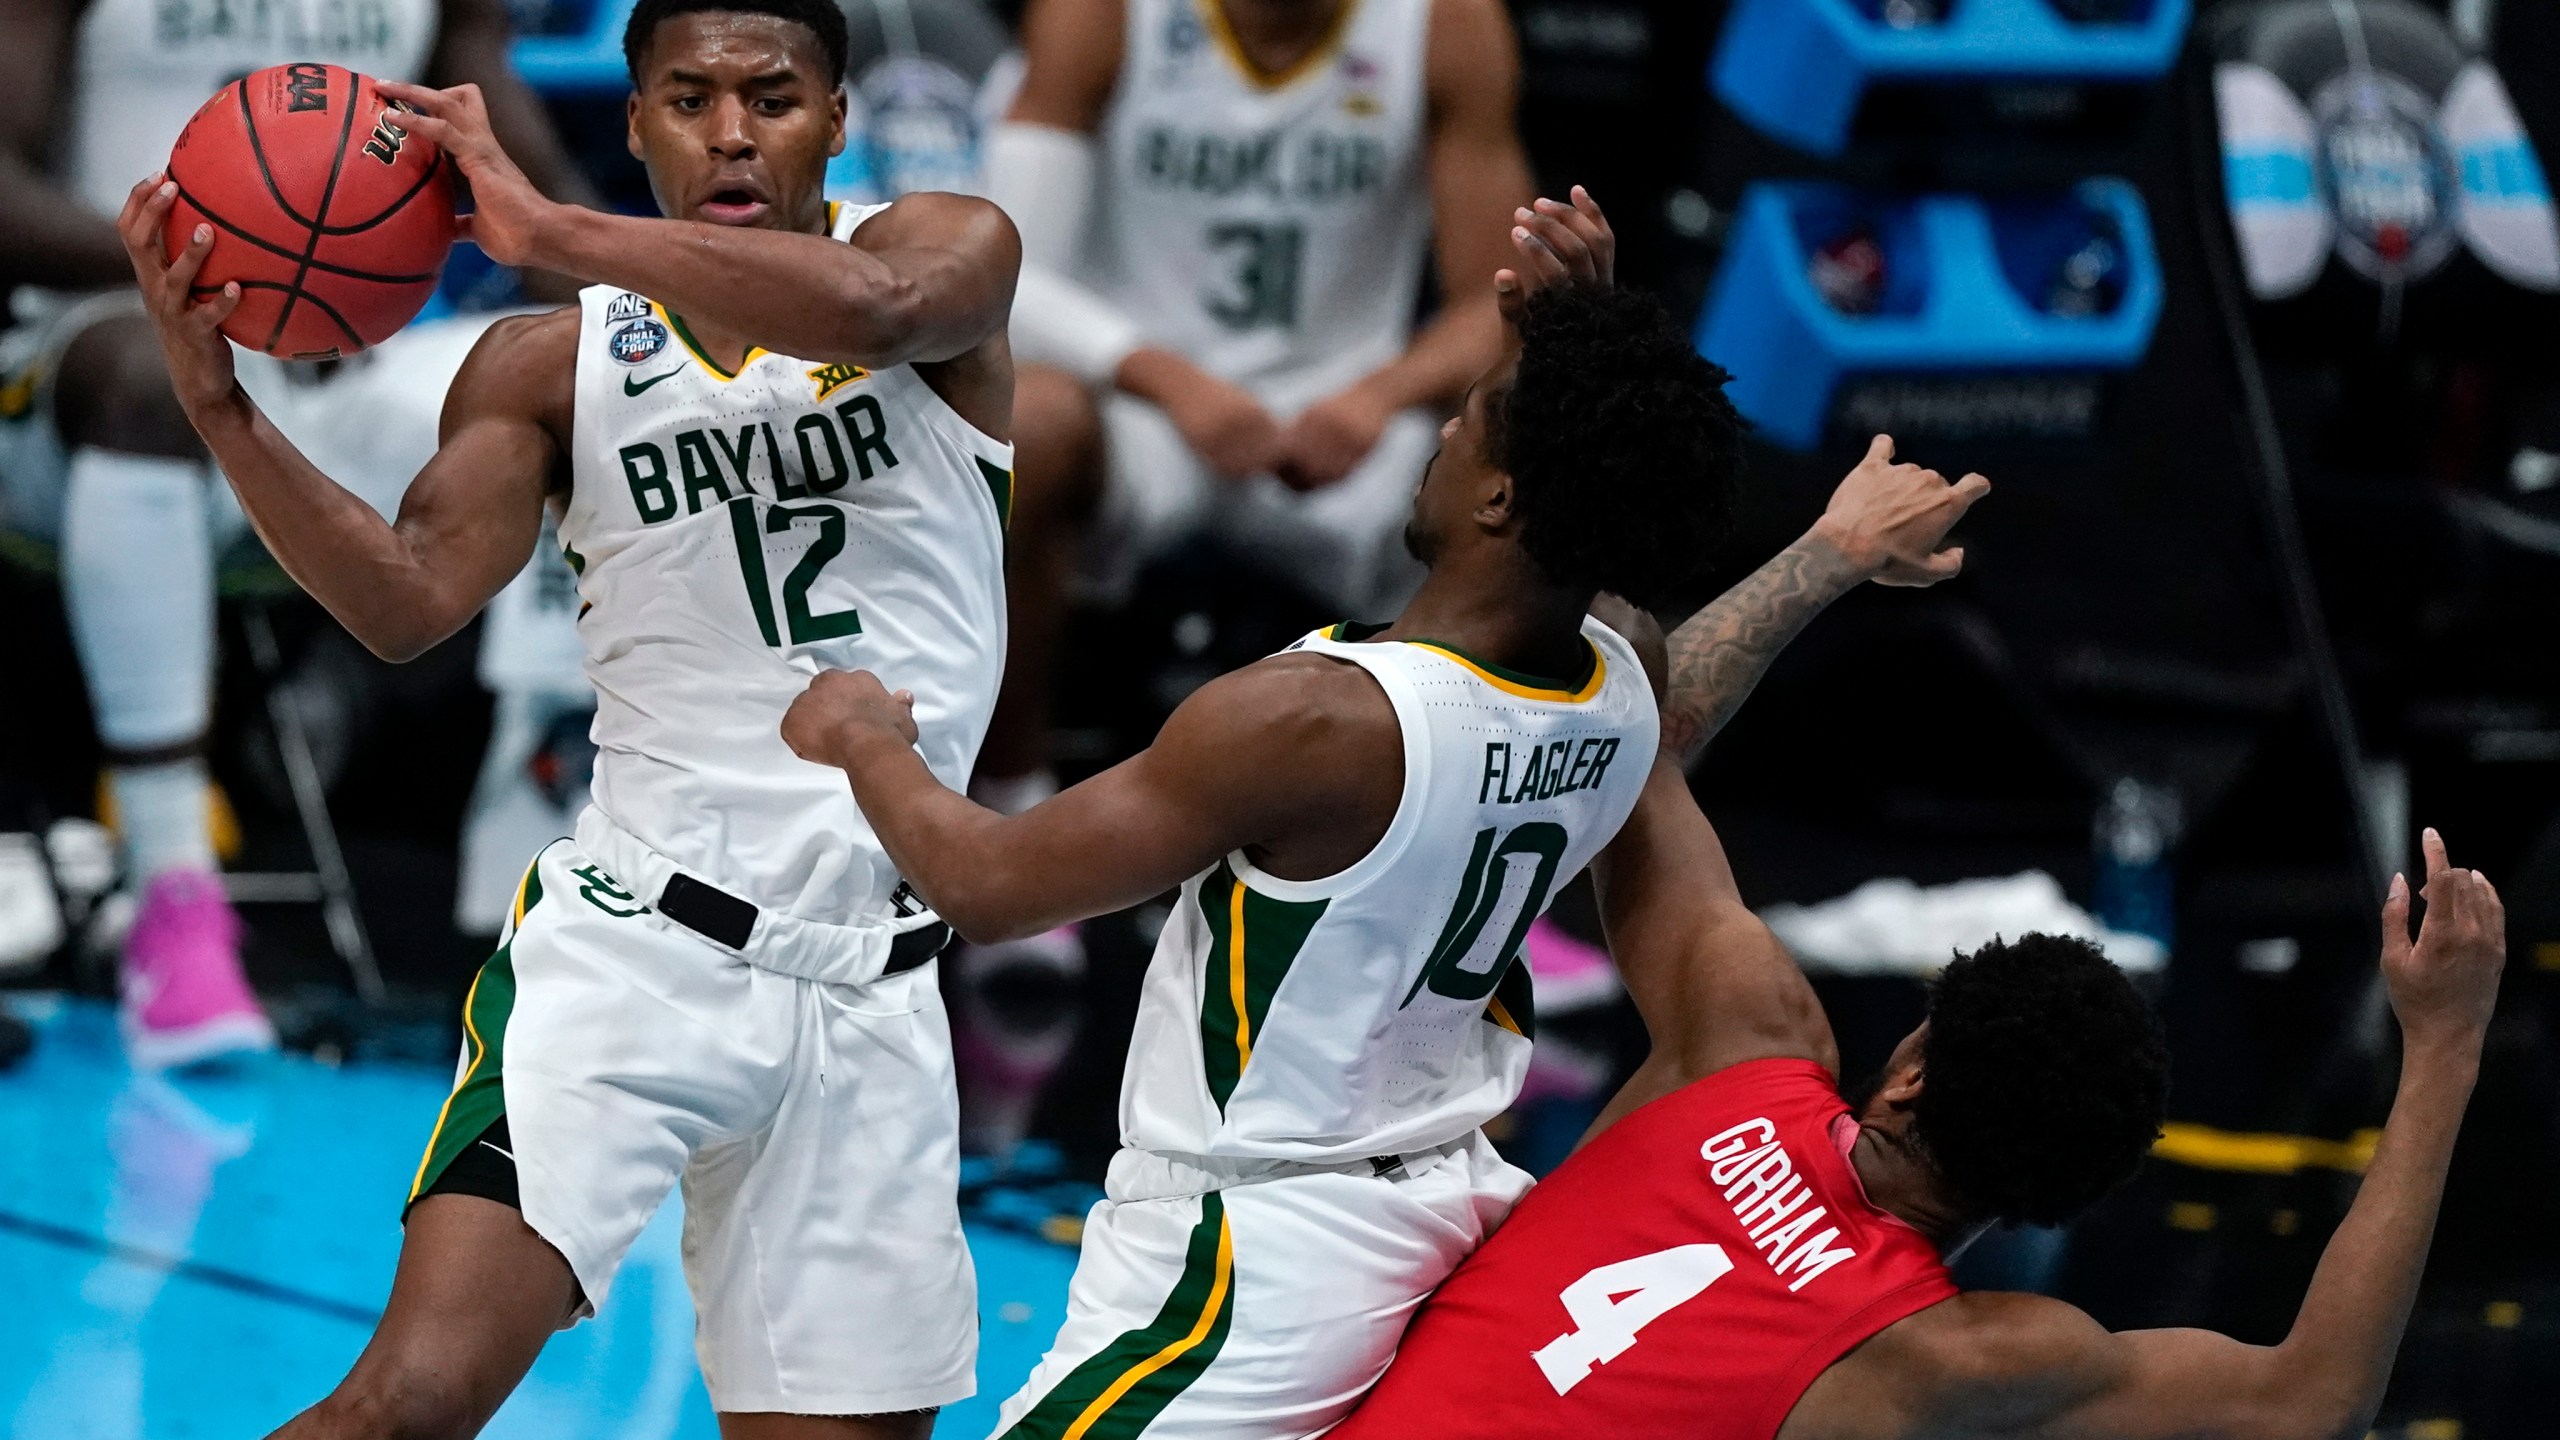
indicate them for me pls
(1723, 650)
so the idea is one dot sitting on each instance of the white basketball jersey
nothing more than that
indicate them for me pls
(733, 536)
(143, 66)
(1271, 228)
(1386, 1009)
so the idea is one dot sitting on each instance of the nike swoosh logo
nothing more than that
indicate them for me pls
(510, 1158)
(633, 384)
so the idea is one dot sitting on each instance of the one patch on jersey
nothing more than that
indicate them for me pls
(637, 341)
(832, 378)
(626, 307)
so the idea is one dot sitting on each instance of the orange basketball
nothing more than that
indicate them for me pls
(334, 224)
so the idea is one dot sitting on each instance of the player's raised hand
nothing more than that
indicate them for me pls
(840, 710)
(506, 209)
(2444, 986)
(1891, 519)
(1557, 242)
(190, 325)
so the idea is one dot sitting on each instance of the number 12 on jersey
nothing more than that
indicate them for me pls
(1610, 1304)
(806, 627)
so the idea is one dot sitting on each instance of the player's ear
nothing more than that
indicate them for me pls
(631, 126)
(1496, 503)
(835, 145)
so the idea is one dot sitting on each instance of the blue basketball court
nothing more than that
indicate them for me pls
(202, 1255)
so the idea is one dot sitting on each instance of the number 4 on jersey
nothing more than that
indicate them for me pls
(1610, 1304)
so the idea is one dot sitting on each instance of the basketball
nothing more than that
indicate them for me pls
(333, 223)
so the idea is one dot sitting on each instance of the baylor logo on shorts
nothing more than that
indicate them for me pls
(604, 893)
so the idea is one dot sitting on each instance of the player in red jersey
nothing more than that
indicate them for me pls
(1738, 1253)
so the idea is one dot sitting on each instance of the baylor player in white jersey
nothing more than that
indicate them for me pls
(97, 465)
(774, 431)
(1363, 828)
(1227, 209)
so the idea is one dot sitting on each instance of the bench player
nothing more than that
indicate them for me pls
(97, 461)
(1740, 1253)
(775, 429)
(1362, 829)
(1227, 208)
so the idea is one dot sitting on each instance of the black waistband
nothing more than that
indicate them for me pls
(724, 919)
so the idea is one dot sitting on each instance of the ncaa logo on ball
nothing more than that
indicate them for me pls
(637, 341)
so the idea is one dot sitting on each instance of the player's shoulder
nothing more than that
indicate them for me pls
(1304, 693)
(522, 363)
(943, 219)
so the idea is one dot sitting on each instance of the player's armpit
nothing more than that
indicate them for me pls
(1297, 758)
(467, 522)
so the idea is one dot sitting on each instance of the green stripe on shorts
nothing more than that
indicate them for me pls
(482, 1096)
(1117, 1393)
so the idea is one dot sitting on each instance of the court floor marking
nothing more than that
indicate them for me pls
(67, 1238)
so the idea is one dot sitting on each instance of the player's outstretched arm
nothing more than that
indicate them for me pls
(467, 522)
(48, 236)
(2026, 1366)
(1714, 987)
(1295, 751)
(932, 279)
(1885, 523)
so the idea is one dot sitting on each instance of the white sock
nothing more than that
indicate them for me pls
(1013, 794)
(137, 578)
(161, 811)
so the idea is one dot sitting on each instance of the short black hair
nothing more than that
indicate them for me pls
(1624, 454)
(823, 17)
(2044, 1079)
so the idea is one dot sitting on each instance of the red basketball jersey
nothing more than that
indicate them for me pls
(1688, 1274)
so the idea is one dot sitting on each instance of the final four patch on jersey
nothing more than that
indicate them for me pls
(637, 341)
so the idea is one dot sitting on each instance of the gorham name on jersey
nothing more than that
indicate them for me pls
(1385, 1009)
(735, 534)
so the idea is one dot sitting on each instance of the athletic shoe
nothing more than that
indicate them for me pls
(1566, 974)
(185, 998)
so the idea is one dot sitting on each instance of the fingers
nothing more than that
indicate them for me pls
(1569, 246)
(145, 211)
(1604, 243)
(2432, 845)
(1946, 564)
(1970, 489)
(1879, 451)
(182, 271)
(1539, 262)
(2395, 920)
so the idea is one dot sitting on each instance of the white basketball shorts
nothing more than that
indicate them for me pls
(1260, 1311)
(814, 1128)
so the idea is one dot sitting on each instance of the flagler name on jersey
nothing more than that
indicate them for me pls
(817, 455)
(1517, 775)
(1768, 1197)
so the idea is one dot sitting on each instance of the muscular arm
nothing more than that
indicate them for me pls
(47, 236)
(467, 523)
(1297, 759)
(931, 279)
(2026, 1366)
(1884, 523)
(1715, 988)
(1478, 175)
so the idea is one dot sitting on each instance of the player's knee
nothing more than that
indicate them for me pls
(1057, 442)
(114, 393)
